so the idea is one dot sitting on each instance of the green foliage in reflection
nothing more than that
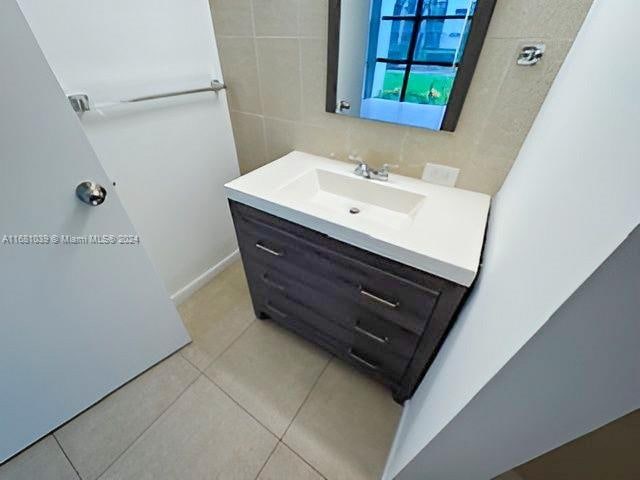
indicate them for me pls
(424, 88)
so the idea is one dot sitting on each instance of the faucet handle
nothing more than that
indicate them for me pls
(389, 166)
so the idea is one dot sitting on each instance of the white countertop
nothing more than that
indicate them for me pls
(433, 228)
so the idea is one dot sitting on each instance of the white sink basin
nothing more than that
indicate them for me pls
(340, 195)
(436, 229)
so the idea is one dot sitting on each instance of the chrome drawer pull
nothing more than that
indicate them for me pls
(270, 283)
(277, 311)
(361, 360)
(370, 335)
(386, 303)
(268, 250)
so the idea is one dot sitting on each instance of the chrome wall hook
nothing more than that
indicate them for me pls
(79, 102)
(531, 54)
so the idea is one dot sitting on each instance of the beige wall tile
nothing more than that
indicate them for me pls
(232, 17)
(240, 69)
(493, 65)
(499, 109)
(376, 142)
(313, 18)
(483, 179)
(313, 53)
(517, 104)
(284, 136)
(329, 140)
(421, 147)
(276, 18)
(280, 137)
(279, 70)
(559, 19)
(248, 132)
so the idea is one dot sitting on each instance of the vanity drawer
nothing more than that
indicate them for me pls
(340, 341)
(353, 322)
(385, 318)
(381, 293)
(337, 348)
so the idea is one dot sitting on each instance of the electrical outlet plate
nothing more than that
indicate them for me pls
(440, 174)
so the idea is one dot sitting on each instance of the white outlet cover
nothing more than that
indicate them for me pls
(440, 174)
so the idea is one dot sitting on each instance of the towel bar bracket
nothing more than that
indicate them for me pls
(80, 101)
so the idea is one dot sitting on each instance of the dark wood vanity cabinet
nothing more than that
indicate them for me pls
(383, 317)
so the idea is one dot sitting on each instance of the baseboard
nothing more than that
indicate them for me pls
(190, 288)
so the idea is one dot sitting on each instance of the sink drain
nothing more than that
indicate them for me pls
(354, 210)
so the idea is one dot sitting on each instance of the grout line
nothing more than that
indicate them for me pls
(66, 456)
(256, 59)
(135, 440)
(241, 407)
(189, 361)
(279, 437)
(213, 359)
(302, 458)
(216, 357)
(244, 330)
(288, 120)
(265, 149)
(300, 79)
(308, 395)
(298, 17)
(267, 460)
(265, 140)
(252, 114)
(253, 18)
(276, 37)
(299, 7)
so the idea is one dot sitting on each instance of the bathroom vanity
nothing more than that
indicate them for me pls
(373, 272)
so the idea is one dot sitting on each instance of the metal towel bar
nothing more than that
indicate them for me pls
(215, 86)
(80, 102)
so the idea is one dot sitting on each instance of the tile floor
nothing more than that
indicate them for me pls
(246, 400)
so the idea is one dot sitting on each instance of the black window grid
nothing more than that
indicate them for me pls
(410, 61)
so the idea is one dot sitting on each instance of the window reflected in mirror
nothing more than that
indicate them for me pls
(404, 61)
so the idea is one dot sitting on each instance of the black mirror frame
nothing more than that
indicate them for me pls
(466, 68)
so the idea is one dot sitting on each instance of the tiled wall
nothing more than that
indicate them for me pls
(273, 55)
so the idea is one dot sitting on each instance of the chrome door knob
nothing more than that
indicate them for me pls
(344, 105)
(91, 193)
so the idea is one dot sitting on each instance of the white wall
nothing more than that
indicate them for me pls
(580, 371)
(169, 158)
(77, 321)
(571, 198)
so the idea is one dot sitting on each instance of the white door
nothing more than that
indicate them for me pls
(183, 144)
(352, 59)
(76, 321)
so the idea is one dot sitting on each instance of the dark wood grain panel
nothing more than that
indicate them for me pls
(392, 295)
(346, 321)
(385, 318)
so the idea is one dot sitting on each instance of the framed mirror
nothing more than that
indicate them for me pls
(404, 61)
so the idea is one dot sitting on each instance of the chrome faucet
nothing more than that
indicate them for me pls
(365, 171)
